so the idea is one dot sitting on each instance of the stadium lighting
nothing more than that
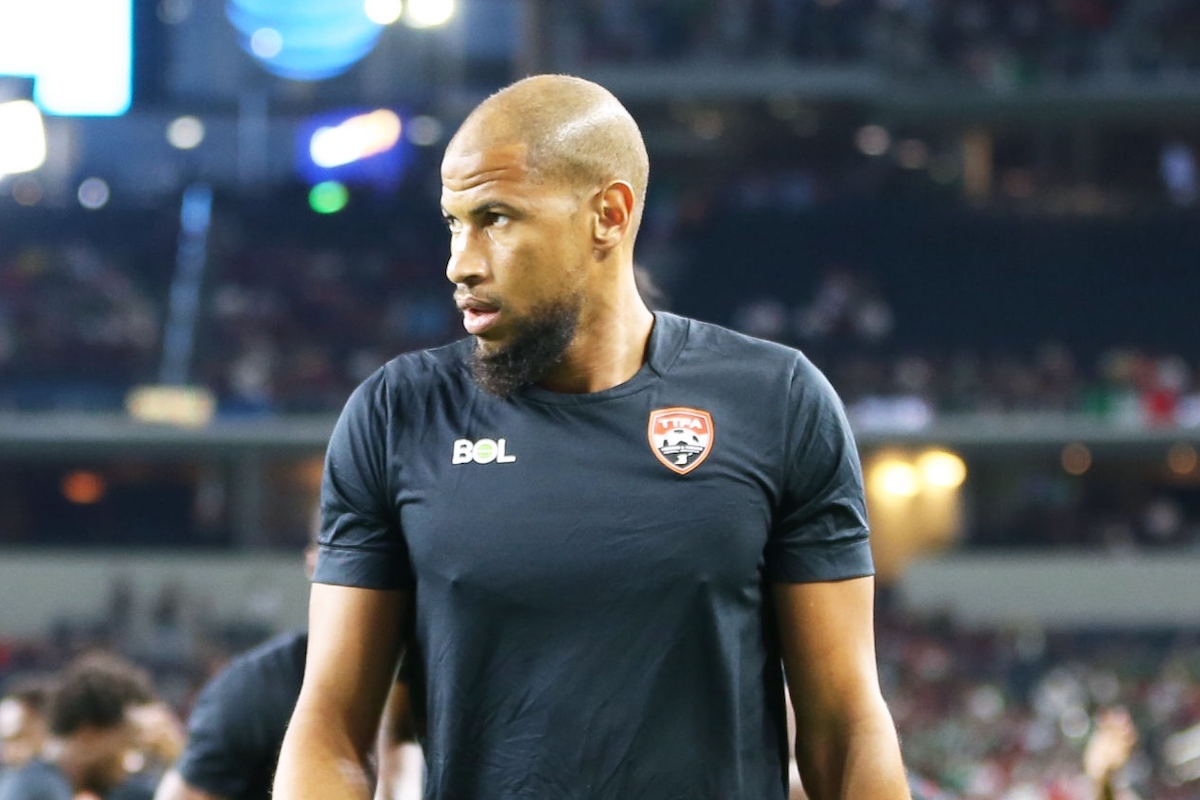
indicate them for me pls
(22, 137)
(873, 140)
(941, 469)
(897, 478)
(93, 194)
(429, 13)
(383, 12)
(328, 197)
(266, 43)
(424, 130)
(78, 52)
(307, 40)
(1076, 458)
(185, 133)
(354, 139)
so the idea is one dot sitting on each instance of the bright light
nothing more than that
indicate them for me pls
(93, 194)
(328, 197)
(1182, 458)
(383, 12)
(424, 130)
(873, 140)
(942, 469)
(1076, 459)
(355, 139)
(79, 53)
(306, 40)
(912, 154)
(22, 137)
(185, 133)
(429, 13)
(27, 191)
(266, 43)
(187, 406)
(83, 487)
(897, 478)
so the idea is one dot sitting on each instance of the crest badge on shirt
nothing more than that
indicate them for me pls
(681, 437)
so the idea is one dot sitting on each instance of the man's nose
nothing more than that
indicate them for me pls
(467, 265)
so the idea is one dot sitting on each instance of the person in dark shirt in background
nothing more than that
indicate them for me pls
(237, 724)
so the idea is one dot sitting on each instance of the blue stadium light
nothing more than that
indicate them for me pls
(306, 40)
(78, 52)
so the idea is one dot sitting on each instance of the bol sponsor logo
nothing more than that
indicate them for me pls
(482, 451)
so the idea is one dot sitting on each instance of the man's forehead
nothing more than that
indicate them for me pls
(467, 165)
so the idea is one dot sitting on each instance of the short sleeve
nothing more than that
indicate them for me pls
(820, 531)
(360, 543)
(223, 752)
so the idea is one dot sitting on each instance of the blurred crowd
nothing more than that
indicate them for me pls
(1009, 714)
(849, 328)
(995, 43)
(1012, 714)
(289, 329)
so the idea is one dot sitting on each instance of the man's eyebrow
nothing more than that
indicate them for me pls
(489, 206)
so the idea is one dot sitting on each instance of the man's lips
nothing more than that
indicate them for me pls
(478, 315)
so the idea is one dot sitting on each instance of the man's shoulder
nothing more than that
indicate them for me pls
(433, 364)
(279, 654)
(417, 373)
(715, 343)
(287, 648)
(257, 676)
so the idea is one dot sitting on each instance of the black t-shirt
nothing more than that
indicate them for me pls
(36, 780)
(591, 571)
(236, 727)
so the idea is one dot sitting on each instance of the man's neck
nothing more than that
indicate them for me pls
(609, 348)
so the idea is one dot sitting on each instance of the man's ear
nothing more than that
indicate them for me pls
(614, 218)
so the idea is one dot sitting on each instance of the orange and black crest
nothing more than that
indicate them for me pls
(680, 437)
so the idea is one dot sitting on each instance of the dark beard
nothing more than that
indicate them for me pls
(538, 345)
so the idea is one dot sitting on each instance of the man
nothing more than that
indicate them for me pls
(237, 724)
(22, 723)
(616, 528)
(90, 733)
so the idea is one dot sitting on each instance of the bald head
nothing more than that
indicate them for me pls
(573, 131)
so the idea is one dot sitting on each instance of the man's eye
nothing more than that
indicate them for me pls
(452, 224)
(498, 220)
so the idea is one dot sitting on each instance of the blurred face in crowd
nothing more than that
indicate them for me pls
(520, 246)
(98, 756)
(22, 732)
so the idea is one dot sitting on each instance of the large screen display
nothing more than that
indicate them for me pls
(78, 52)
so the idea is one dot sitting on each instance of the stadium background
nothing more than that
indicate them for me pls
(980, 218)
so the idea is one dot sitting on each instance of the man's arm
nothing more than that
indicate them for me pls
(846, 744)
(354, 640)
(174, 787)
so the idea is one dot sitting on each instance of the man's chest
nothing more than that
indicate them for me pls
(551, 500)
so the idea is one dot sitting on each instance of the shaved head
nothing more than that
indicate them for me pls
(574, 131)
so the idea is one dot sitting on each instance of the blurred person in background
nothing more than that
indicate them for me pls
(591, 620)
(1107, 752)
(22, 723)
(91, 733)
(237, 725)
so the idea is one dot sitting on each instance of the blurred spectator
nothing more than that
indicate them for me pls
(22, 723)
(90, 733)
